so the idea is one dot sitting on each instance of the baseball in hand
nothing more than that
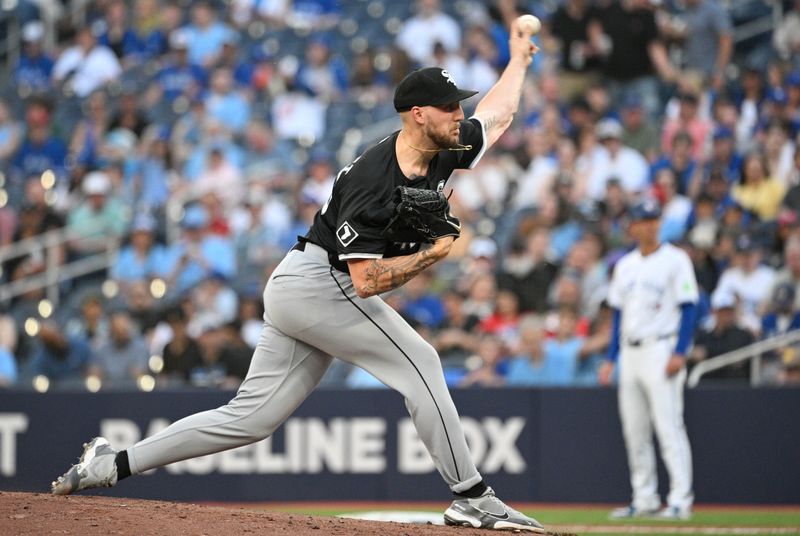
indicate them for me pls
(529, 24)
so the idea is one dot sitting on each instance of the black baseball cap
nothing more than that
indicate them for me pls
(431, 86)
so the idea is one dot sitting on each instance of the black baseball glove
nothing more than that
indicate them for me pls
(426, 213)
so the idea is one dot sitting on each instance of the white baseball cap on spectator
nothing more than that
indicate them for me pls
(33, 31)
(723, 300)
(482, 247)
(96, 183)
(609, 129)
(179, 40)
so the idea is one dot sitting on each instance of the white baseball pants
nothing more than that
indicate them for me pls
(312, 313)
(649, 400)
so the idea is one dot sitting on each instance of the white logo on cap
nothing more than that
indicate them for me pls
(449, 77)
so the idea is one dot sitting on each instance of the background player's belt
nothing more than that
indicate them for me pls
(647, 340)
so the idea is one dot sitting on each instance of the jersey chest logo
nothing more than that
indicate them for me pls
(346, 234)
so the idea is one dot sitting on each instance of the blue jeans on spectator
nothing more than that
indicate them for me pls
(645, 88)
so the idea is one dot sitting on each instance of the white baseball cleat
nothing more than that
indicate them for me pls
(489, 512)
(631, 512)
(674, 513)
(95, 469)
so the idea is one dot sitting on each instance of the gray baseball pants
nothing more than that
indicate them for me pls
(313, 313)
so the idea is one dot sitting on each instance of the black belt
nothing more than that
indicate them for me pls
(639, 342)
(332, 258)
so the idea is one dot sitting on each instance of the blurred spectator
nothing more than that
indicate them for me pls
(10, 135)
(91, 324)
(420, 304)
(232, 58)
(455, 338)
(538, 178)
(149, 25)
(61, 358)
(724, 156)
(679, 159)
(318, 184)
(640, 133)
(757, 191)
(503, 321)
(86, 66)
(315, 15)
(749, 281)
(226, 358)
(34, 68)
(688, 121)
(430, 25)
(220, 177)
(623, 162)
(225, 104)
(790, 271)
(214, 304)
(86, 143)
(626, 38)
(564, 352)
(724, 336)
(781, 315)
(178, 76)
(482, 58)
(708, 38)
(205, 34)
(153, 173)
(676, 208)
(198, 254)
(779, 152)
(98, 219)
(527, 368)
(142, 258)
(295, 113)
(8, 345)
(323, 72)
(124, 357)
(41, 149)
(528, 271)
(786, 36)
(129, 113)
(578, 61)
(118, 35)
(182, 354)
(488, 358)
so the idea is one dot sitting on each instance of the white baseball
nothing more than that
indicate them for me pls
(529, 24)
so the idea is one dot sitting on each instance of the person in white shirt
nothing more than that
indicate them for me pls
(676, 208)
(430, 25)
(86, 66)
(750, 281)
(628, 164)
(653, 295)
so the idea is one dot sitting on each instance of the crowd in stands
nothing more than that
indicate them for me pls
(192, 141)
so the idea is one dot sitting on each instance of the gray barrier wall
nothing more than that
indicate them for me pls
(559, 445)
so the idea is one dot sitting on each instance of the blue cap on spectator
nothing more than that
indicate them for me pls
(632, 100)
(143, 222)
(777, 95)
(194, 217)
(723, 133)
(745, 243)
(793, 79)
(647, 209)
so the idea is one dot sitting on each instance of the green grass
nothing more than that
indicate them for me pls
(561, 518)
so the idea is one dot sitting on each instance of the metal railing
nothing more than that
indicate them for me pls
(750, 352)
(52, 244)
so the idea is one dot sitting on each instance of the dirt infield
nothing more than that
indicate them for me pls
(40, 513)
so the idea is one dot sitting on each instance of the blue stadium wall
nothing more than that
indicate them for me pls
(559, 445)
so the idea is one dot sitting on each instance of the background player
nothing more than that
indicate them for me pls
(654, 294)
(321, 301)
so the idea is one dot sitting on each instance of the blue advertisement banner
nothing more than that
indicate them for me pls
(552, 445)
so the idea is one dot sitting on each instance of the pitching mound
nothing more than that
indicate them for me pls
(39, 513)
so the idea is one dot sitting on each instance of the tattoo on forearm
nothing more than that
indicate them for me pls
(382, 275)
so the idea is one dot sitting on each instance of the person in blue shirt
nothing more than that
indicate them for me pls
(564, 353)
(206, 34)
(142, 258)
(226, 105)
(679, 160)
(198, 253)
(60, 358)
(527, 367)
(118, 35)
(179, 76)
(40, 149)
(34, 68)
